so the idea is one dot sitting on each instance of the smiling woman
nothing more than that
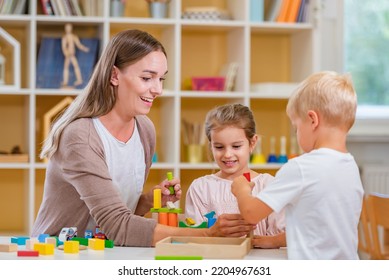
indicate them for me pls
(101, 151)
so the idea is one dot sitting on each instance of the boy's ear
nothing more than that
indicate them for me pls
(114, 76)
(313, 118)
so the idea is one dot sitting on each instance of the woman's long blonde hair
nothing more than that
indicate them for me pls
(99, 96)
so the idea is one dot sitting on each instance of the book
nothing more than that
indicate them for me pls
(230, 72)
(300, 14)
(46, 7)
(256, 10)
(282, 16)
(76, 7)
(273, 11)
(20, 7)
(54, 7)
(51, 61)
(293, 11)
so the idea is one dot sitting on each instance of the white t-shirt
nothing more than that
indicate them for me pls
(126, 163)
(321, 193)
(212, 193)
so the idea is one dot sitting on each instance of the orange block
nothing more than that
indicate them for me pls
(163, 218)
(172, 219)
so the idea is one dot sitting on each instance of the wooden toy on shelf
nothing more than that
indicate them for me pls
(6, 40)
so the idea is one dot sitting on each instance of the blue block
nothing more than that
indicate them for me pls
(282, 159)
(42, 237)
(211, 222)
(20, 240)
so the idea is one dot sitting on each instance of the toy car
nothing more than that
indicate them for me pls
(99, 233)
(67, 234)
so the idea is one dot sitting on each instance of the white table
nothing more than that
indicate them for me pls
(129, 253)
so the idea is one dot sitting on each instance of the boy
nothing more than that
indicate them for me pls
(321, 190)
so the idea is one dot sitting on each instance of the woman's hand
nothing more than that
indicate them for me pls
(165, 191)
(230, 225)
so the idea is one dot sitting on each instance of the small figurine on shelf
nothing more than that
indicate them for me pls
(272, 158)
(283, 156)
(293, 148)
(69, 43)
(257, 156)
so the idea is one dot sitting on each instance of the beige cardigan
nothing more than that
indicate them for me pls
(78, 185)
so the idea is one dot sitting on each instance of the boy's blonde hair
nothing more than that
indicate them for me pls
(328, 93)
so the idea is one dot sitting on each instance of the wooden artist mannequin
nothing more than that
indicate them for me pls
(69, 44)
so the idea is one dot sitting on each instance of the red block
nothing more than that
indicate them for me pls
(28, 253)
(247, 175)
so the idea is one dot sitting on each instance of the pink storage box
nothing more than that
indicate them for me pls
(208, 83)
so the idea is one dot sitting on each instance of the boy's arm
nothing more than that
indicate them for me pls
(251, 208)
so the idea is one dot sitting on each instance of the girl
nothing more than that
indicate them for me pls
(232, 136)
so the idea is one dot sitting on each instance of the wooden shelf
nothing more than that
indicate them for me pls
(265, 52)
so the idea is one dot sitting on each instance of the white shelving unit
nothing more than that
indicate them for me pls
(265, 52)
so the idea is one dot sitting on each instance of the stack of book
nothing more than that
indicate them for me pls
(286, 10)
(13, 7)
(72, 7)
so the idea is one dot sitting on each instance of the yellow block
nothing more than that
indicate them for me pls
(44, 248)
(157, 198)
(96, 244)
(72, 247)
(190, 221)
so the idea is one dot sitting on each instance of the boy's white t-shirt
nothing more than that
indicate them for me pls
(126, 163)
(321, 192)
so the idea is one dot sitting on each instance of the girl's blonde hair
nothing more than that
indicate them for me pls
(328, 93)
(236, 115)
(99, 96)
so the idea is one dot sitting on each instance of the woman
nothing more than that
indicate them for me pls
(100, 152)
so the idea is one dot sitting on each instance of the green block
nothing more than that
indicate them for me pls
(183, 258)
(81, 240)
(166, 210)
(184, 225)
(108, 243)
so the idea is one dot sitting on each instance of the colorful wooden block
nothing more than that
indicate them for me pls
(190, 221)
(44, 248)
(8, 247)
(28, 253)
(81, 240)
(42, 237)
(30, 243)
(20, 240)
(96, 244)
(108, 243)
(71, 247)
(51, 240)
(157, 198)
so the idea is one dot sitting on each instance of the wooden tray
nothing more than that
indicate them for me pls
(206, 247)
